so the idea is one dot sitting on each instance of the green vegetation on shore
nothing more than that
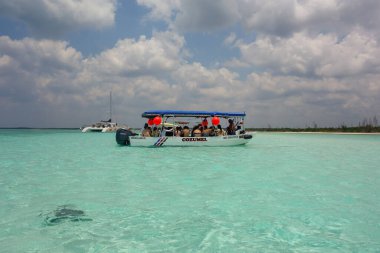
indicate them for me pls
(368, 125)
(342, 129)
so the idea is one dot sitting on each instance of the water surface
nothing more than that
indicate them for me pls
(280, 193)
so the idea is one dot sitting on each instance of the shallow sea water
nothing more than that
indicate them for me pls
(280, 193)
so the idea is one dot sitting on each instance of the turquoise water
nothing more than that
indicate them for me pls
(280, 193)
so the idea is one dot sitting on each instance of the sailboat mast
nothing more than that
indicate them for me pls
(111, 105)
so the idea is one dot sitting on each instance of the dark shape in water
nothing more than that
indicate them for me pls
(65, 213)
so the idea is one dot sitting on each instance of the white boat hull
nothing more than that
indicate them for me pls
(91, 129)
(231, 140)
(99, 129)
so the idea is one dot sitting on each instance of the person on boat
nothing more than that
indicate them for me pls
(212, 131)
(231, 129)
(204, 122)
(220, 131)
(185, 132)
(195, 127)
(178, 131)
(146, 132)
(197, 131)
(155, 132)
(206, 131)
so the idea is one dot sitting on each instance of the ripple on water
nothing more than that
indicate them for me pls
(280, 193)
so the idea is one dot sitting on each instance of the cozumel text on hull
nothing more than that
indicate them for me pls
(187, 128)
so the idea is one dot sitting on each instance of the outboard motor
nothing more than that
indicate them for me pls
(247, 136)
(122, 136)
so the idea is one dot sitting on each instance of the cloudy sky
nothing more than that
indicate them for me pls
(286, 63)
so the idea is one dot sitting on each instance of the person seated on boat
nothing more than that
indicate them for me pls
(231, 129)
(146, 132)
(220, 131)
(194, 128)
(178, 131)
(206, 131)
(155, 132)
(185, 132)
(196, 131)
(212, 131)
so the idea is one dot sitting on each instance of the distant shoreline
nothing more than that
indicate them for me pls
(368, 129)
(348, 131)
(41, 128)
(294, 132)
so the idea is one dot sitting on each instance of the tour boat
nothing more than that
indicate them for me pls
(168, 137)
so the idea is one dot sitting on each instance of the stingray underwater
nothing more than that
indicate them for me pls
(65, 213)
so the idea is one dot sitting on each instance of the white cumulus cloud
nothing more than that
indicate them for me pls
(322, 55)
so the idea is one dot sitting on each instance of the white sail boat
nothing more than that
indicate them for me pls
(104, 125)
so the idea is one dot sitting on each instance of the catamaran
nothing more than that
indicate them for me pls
(103, 126)
(169, 123)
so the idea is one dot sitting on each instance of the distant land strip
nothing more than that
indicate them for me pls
(43, 128)
(343, 129)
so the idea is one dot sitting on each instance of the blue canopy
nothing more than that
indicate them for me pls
(175, 113)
